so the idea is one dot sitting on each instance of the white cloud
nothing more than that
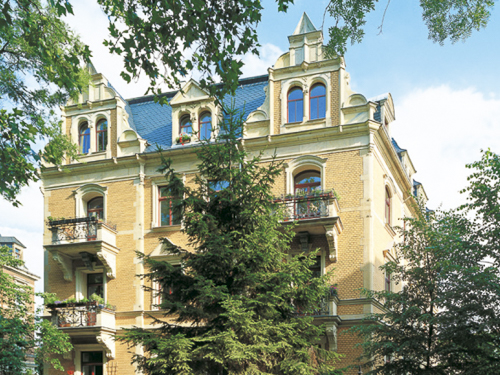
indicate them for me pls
(444, 129)
(257, 65)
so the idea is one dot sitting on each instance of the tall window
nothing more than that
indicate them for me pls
(295, 105)
(84, 138)
(205, 125)
(306, 208)
(95, 207)
(317, 102)
(387, 206)
(95, 284)
(102, 135)
(186, 125)
(92, 363)
(170, 209)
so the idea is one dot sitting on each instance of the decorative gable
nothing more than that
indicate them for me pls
(188, 105)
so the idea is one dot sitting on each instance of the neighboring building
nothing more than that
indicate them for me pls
(20, 274)
(329, 138)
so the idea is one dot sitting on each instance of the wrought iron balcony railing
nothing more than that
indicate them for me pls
(82, 314)
(303, 207)
(77, 229)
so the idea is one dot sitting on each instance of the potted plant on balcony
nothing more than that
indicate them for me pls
(333, 291)
(183, 138)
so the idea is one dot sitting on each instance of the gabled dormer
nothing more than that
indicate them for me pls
(194, 114)
(100, 122)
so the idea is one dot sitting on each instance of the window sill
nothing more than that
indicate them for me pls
(167, 228)
(305, 123)
(390, 230)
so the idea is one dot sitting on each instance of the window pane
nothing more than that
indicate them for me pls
(295, 94)
(322, 107)
(165, 192)
(91, 357)
(318, 90)
(206, 125)
(165, 212)
(84, 139)
(308, 177)
(186, 125)
(314, 108)
(218, 185)
(95, 203)
(95, 278)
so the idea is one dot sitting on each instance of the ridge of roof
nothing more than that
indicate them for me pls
(171, 94)
(11, 240)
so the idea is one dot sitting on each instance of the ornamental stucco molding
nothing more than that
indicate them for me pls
(108, 342)
(109, 262)
(331, 334)
(65, 264)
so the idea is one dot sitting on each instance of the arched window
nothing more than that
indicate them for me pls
(102, 135)
(387, 206)
(317, 102)
(205, 125)
(95, 208)
(186, 125)
(306, 182)
(84, 138)
(295, 105)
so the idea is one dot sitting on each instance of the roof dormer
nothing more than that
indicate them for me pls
(194, 114)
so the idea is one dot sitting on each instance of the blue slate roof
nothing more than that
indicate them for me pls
(10, 240)
(398, 149)
(153, 121)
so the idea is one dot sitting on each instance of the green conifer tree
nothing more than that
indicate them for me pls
(231, 307)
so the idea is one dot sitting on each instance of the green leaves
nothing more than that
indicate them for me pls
(21, 331)
(34, 41)
(446, 316)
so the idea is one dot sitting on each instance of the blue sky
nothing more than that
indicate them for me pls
(447, 98)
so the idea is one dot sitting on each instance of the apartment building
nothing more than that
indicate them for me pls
(109, 204)
(21, 275)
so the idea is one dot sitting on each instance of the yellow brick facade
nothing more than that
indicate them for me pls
(354, 158)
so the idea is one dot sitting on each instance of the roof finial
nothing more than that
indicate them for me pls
(305, 25)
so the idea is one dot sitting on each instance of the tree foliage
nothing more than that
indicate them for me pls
(231, 307)
(23, 333)
(446, 318)
(40, 67)
(166, 40)
(452, 20)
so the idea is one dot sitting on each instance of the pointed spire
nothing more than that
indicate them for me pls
(91, 68)
(305, 25)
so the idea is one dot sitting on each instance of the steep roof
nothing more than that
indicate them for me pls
(153, 122)
(10, 240)
(304, 26)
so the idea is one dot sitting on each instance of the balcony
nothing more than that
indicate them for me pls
(85, 238)
(314, 213)
(327, 306)
(86, 322)
(83, 229)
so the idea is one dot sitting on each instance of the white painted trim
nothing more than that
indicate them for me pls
(301, 163)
